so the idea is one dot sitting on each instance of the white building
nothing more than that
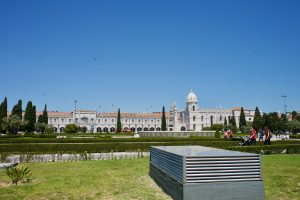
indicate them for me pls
(192, 118)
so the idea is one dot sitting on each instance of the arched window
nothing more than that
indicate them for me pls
(139, 129)
(151, 129)
(132, 129)
(61, 130)
(158, 128)
(112, 129)
(99, 130)
(193, 108)
(105, 129)
(145, 129)
(182, 128)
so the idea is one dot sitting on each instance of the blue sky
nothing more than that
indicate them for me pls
(140, 55)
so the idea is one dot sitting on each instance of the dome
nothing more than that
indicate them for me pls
(191, 97)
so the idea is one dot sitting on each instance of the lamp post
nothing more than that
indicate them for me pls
(284, 103)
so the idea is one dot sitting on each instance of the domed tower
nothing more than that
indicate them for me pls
(191, 111)
(191, 102)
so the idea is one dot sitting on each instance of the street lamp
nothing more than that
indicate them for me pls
(284, 103)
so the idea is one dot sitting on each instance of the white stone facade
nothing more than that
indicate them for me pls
(192, 118)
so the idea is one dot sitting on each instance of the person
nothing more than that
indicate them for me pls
(261, 135)
(267, 136)
(225, 134)
(252, 136)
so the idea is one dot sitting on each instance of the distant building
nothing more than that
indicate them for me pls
(192, 118)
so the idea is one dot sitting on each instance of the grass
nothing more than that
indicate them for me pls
(129, 179)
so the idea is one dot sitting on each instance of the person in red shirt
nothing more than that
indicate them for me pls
(252, 136)
(267, 136)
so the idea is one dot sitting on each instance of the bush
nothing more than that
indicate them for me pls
(295, 136)
(71, 128)
(17, 174)
(268, 149)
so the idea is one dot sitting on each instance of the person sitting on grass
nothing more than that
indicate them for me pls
(252, 136)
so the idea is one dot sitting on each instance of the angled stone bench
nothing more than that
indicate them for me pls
(196, 172)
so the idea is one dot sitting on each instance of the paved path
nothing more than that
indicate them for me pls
(4, 165)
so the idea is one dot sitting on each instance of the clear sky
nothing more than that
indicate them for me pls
(141, 55)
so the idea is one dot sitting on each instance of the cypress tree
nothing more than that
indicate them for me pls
(30, 117)
(242, 121)
(225, 122)
(119, 125)
(257, 121)
(17, 109)
(3, 109)
(163, 120)
(3, 114)
(232, 121)
(45, 115)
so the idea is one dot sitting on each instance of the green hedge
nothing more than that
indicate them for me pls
(102, 147)
(106, 139)
(295, 136)
(135, 146)
(268, 149)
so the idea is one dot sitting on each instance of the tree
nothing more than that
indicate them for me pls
(242, 122)
(163, 120)
(257, 121)
(12, 124)
(29, 117)
(40, 127)
(44, 117)
(273, 121)
(119, 125)
(293, 126)
(283, 123)
(232, 124)
(71, 128)
(3, 115)
(17, 110)
(294, 115)
(225, 122)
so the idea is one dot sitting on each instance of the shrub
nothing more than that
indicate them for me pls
(17, 174)
(295, 136)
(71, 128)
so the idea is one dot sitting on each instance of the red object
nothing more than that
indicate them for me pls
(253, 134)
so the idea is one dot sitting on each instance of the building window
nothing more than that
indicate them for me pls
(54, 120)
(70, 120)
(132, 121)
(112, 120)
(126, 120)
(98, 120)
(105, 120)
(194, 118)
(221, 117)
(62, 120)
(202, 118)
(193, 108)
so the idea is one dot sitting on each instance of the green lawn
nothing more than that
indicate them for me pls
(129, 179)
